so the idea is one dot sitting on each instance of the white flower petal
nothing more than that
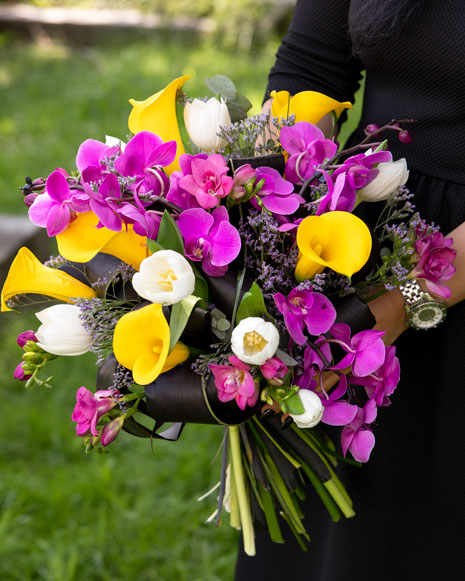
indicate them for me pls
(313, 409)
(254, 340)
(62, 331)
(392, 175)
(203, 121)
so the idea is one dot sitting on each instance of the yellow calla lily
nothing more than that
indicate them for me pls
(141, 342)
(27, 275)
(308, 106)
(337, 240)
(158, 114)
(82, 240)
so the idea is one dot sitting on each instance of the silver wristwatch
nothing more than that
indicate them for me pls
(423, 312)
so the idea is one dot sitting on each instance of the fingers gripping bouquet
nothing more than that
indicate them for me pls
(224, 285)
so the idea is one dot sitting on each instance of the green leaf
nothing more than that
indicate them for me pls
(235, 112)
(154, 246)
(180, 313)
(294, 405)
(169, 235)
(223, 85)
(252, 304)
(201, 286)
(242, 102)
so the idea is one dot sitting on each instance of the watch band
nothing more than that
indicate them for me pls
(412, 292)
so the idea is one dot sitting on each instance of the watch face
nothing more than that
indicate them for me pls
(426, 315)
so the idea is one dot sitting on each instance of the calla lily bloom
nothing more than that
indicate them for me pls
(158, 114)
(141, 343)
(337, 240)
(308, 106)
(28, 275)
(82, 240)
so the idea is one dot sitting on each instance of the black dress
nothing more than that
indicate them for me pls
(409, 498)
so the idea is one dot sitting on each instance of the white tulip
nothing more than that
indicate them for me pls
(391, 175)
(62, 332)
(164, 278)
(254, 340)
(203, 121)
(313, 409)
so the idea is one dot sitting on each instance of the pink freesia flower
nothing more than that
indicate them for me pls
(341, 195)
(276, 193)
(337, 413)
(89, 408)
(26, 336)
(111, 430)
(209, 238)
(143, 158)
(177, 194)
(305, 308)
(365, 350)
(307, 147)
(435, 262)
(274, 368)
(357, 436)
(19, 373)
(382, 383)
(207, 180)
(241, 176)
(235, 382)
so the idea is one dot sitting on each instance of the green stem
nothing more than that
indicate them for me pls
(242, 498)
(375, 295)
(333, 489)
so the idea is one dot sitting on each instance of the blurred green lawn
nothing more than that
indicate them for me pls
(131, 514)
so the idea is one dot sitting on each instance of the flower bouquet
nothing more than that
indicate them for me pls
(228, 285)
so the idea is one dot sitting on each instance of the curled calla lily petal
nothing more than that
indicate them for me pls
(141, 343)
(158, 114)
(308, 106)
(27, 275)
(82, 240)
(337, 240)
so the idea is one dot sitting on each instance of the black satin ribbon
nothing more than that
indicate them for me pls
(223, 290)
(273, 160)
(354, 312)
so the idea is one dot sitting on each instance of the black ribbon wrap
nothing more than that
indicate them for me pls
(273, 160)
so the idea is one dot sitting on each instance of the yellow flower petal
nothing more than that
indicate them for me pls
(158, 114)
(82, 240)
(337, 240)
(27, 275)
(179, 354)
(141, 341)
(308, 106)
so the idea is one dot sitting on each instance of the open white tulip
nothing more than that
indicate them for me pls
(313, 409)
(254, 340)
(62, 331)
(391, 175)
(203, 121)
(164, 278)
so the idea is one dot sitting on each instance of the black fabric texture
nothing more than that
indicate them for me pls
(409, 498)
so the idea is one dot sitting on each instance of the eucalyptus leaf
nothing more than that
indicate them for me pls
(180, 313)
(252, 304)
(242, 102)
(286, 358)
(223, 85)
(169, 235)
(235, 112)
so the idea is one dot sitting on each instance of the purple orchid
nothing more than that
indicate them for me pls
(305, 308)
(337, 413)
(312, 364)
(341, 195)
(435, 262)
(209, 238)
(357, 436)
(53, 209)
(235, 382)
(90, 159)
(365, 350)
(382, 383)
(205, 178)
(146, 222)
(143, 158)
(104, 203)
(359, 169)
(276, 193)
(307, 147)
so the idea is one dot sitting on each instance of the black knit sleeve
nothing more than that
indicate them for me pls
(316, 54)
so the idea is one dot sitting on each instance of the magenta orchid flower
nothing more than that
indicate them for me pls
(145, 222)
(305, 308)
(143, 158)
(435, 262)
(337, 413)
(312, 364)
(380, 384)
(210, 239)
(53, 209)
(89, 408)
(104, 203)
(274, 368)
(206, 179)
(276, 193)
(357, 436)
(235, 382)
(177, 194)
(359, 169)
(308, 148)
(365, 350)
(90, 159)
(341, 195)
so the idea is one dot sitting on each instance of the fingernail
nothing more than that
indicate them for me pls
(267, 413)
(286, 423)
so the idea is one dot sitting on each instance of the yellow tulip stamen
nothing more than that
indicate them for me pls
(254, 343)
(166, 279)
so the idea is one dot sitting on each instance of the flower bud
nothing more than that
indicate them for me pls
(26, 336)
(20, 374)
(391, 175)
(203, 122)
(313, 409)
(111, 430)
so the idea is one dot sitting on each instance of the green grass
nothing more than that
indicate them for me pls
(131, 514)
